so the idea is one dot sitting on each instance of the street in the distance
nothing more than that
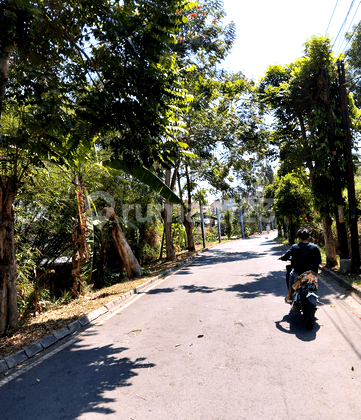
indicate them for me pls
(215, 340)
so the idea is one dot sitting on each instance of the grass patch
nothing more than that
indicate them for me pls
(282, 240)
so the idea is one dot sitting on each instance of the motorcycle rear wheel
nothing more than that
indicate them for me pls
(309, 311)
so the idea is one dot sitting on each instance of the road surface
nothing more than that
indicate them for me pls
(213, 341)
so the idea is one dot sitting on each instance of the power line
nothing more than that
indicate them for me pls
(331, 17)
(349, 28)
(344, 22)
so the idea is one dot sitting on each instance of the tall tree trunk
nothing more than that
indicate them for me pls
(291, 232)
(186, 218)
(126, 254)
(81, 249)
(9, 314)
(330, 245)
(188, 225)
(168, 216)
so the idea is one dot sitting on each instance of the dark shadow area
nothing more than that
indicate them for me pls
(276, 250)
(220, 257)
(269, 242)
(159, 291)
(184, 271)
(273, 283)
(73, 383)
(226, 255)
(199, 289)
(247, 290)
(293, 324)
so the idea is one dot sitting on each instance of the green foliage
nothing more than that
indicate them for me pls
(353, 59)
(296, 95)
(77, 69)
(222, 121)
(45, 215)
(146, 177)
(201, 195)
(292, 199)
(179, 236)
(211, 235)
(111, 278)
(202, 38)
(66, 297)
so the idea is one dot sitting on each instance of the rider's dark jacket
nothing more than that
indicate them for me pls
(305, 257)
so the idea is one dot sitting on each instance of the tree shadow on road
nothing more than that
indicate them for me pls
(227, 255)
(273, 283)
(220, 257)
(80, 382)
(160, 290)
(199, 289)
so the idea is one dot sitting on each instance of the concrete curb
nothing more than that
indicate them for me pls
(39, 346)
(341, 280)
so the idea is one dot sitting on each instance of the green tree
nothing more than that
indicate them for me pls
(303, 97)
(292, 201)
(76, 71)
(223, 128)
(353, 58)
(203, 41)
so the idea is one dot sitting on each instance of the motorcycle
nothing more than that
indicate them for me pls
(303, 298)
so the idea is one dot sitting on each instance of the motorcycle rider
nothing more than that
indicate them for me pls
(304, 257)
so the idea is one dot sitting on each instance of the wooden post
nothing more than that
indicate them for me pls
(242, 223)
(202, 223)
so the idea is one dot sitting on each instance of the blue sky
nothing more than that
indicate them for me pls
(273, 31)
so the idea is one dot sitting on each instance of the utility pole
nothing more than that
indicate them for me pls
(218, 225)
(350, 168)
(340, 221)
(242, 223)
(202, 224)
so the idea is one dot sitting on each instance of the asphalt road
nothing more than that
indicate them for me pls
(213, 341)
